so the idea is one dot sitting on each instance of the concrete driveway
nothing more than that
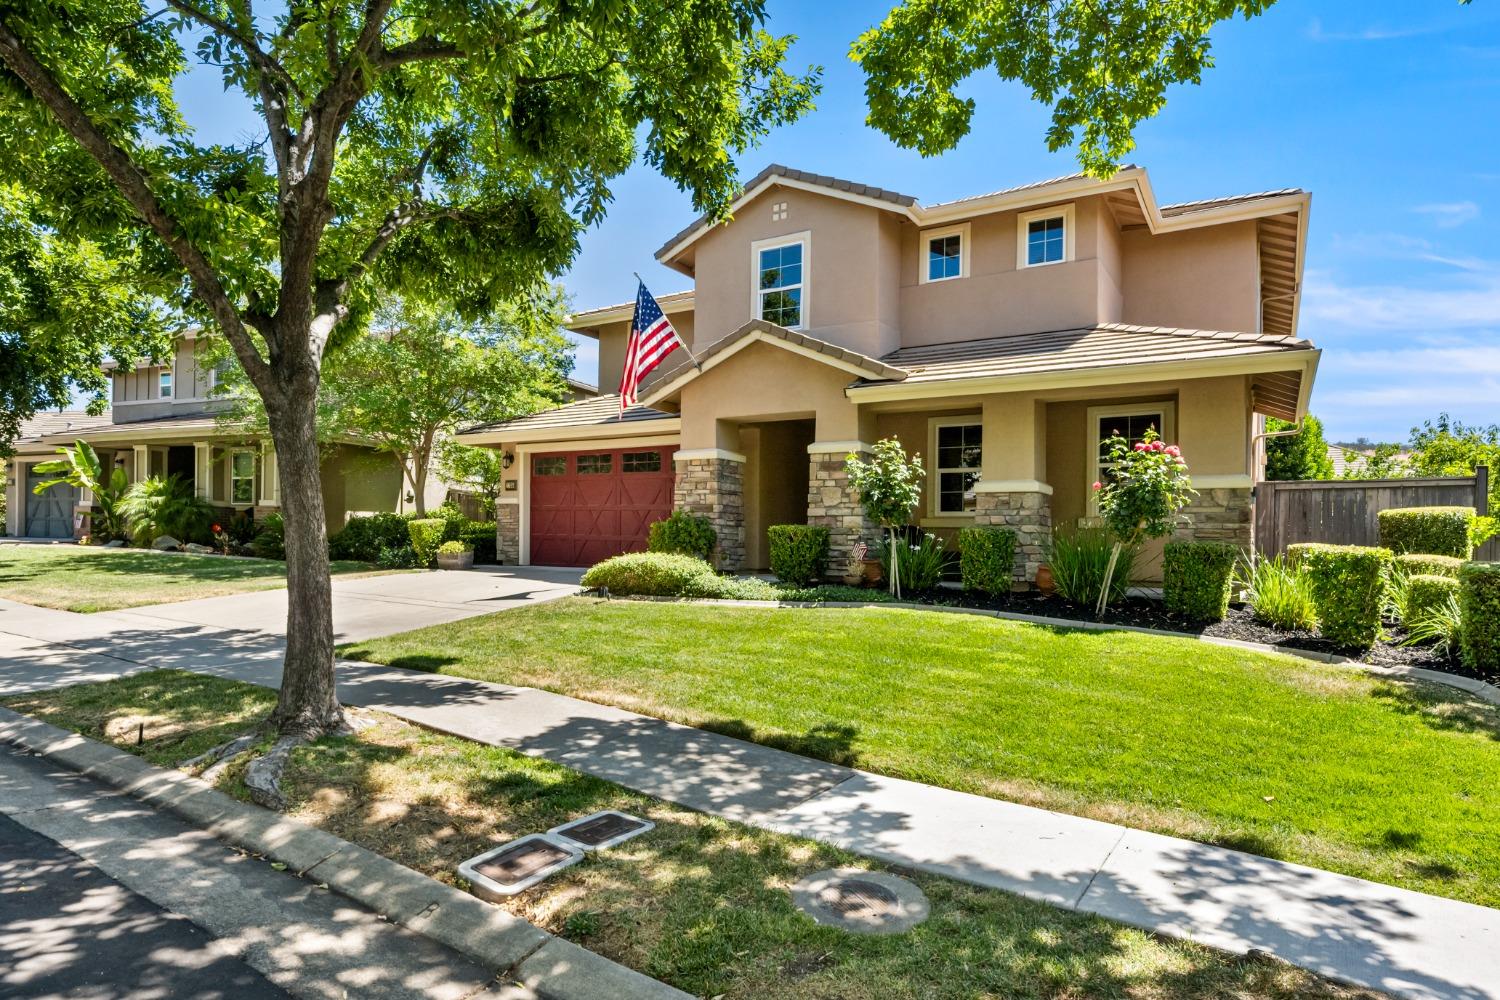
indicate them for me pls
(373, 606)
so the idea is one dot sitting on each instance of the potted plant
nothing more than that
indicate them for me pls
(455, 555)
(854, 567)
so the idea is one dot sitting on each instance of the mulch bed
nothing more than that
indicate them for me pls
(1144, 612)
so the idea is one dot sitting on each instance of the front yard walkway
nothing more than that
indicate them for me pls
(1400, 941)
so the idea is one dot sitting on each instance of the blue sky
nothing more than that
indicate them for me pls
(1386, 112)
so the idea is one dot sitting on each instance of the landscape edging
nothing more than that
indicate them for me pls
(551, 966)
(1482, 690)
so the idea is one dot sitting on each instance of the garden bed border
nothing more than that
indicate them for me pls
(1483, 690)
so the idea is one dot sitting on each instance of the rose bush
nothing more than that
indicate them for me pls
(1146, 489)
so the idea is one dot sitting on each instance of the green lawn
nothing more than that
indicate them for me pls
(86, 578)
(1321, 765)
(699, 902)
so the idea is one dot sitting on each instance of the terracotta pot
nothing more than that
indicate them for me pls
(873, 574)
(1044, 581)
(455, 560)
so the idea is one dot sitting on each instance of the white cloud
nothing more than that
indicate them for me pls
(1370, 33)
(1470, 302)
(1447, 214)
(1399, 246)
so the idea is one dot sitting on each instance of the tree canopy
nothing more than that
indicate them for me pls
(1303, 455)
(1103, 68)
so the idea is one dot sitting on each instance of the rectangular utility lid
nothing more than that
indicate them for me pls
(601, 829)
(520, 864)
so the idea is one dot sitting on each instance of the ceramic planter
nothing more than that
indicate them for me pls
(456, 560)
(1044, 581)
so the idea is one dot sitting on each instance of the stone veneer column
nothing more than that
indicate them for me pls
(710, 482)
(508, 531)
(1026, 512)
(1219, 514)
(834, 504)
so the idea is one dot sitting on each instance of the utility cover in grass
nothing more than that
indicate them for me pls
(861, 902)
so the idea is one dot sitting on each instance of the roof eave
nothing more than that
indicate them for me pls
(564, 433)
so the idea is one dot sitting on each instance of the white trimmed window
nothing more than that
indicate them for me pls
(1044, 237)
(955, 444)
(164, 383)
(779, 272)
(945, 253)
(242, 476)
(1130, 421)
(217, 372)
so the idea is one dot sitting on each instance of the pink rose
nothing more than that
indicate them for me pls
(1140, 446)
(1098, 486)
(1173, 450)
(1157, 446)
(1181, 460)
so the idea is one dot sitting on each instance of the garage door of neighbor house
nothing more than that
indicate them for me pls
(590, 505)
(51, 514)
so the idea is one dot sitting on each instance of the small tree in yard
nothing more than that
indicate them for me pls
(889, 488)
(1303, 455)
(449, 152)
(482, 470)
(1146, 488)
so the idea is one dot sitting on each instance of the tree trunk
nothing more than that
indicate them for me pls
(419, 462)
(307, 702)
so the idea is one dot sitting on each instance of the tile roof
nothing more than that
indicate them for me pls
(1184, 207)
(1104, 346)
(600, 410)
(790, 173)
(874, 367)
(1080, 175)
(61, 422)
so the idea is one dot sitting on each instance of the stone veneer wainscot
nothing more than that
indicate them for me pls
(712, 486)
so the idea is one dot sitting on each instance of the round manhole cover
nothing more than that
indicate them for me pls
(860, 901)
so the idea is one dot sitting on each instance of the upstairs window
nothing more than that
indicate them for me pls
(164, 383)
(781, 282)
(957, 445)
(1046, 236)
(945, 253)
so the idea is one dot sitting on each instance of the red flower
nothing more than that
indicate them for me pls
(1140, 446)
(1157, 446)
(217, 529)
(1173, 450)
(1098, 486)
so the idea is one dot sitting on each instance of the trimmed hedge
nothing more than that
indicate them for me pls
(1348, 588)
(799, 552)
(1439, 531)
(684, 533)
(652, 574)
(426, 535)
(1413, 563)
(480, 536)
(1479, 609)
(1426, 593)
(987, 558)
(364, 538)
(1196, 578)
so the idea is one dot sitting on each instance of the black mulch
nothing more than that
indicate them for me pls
(1144, 612)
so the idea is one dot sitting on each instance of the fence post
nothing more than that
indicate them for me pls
(1482, 489)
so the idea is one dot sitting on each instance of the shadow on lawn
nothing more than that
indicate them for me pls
(830, 741)
(1444, 709)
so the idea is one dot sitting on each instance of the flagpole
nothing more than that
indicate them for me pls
(680, 341)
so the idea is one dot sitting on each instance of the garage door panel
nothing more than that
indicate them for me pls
(586, 506)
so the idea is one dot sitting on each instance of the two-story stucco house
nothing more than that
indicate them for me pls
(163, 420)
(1001, 336)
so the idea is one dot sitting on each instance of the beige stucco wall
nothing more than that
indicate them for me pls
(844, 266)
(615, 337)
(763, 382)
(1206, 279)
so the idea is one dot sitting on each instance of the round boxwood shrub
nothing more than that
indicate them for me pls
(652, 574)
(987, 558)
(799, 552)
(1412, 563)
(364, 538)
(1479, 610)
(1348, 589)
(426, 535)
(1425, 593)
(1196, 578)
(685, 533)
(1440, 531)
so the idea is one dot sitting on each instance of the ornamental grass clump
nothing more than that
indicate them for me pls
(1196, 579)
(1147, 488)
(1278, 593)
(1079, 558)
(889, 487)
(1348, 585)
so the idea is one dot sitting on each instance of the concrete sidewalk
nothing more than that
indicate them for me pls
(1375, 935)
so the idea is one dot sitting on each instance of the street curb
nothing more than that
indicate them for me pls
(554, 968)
(1480, 689)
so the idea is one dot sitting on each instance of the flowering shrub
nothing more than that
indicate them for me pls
(1147, 488)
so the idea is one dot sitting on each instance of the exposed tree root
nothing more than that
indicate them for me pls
(263, 776)
(217, 757)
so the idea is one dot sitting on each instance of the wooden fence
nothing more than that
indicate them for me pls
(1342, 511)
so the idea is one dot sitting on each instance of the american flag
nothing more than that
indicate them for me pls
(652, 338)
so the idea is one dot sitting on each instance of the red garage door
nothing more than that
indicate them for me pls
(590, 505)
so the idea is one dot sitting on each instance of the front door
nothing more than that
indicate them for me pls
(49, 515)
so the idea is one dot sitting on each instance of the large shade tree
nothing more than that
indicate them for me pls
(447, 150)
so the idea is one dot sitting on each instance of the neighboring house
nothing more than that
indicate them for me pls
(1001, 336)
(162, 421)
